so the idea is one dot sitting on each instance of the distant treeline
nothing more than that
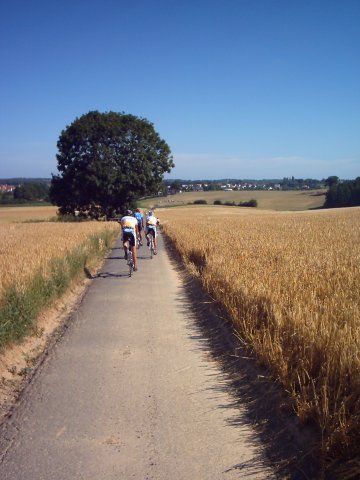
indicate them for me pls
(250, 203)
(28, 192)
(343, 194)
(286, 183)
(21, 180)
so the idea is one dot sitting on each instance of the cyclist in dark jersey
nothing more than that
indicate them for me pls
(140, 219)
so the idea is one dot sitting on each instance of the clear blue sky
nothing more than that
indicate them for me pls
(237, 88)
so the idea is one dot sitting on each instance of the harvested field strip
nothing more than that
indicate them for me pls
(38, 262)
(274, 200)
(290, 283)
(26, 213)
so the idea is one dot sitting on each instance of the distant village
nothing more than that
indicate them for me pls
(179, 186)
(21, 190)
(37, 189)
(5, 188)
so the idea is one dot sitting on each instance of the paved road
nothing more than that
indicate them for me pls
(130, 392)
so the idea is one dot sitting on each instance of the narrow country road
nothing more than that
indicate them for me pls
(129, 392)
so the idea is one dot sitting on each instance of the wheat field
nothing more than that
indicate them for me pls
(26, 248)
(26, 213)
(268, 200)
(290, 283)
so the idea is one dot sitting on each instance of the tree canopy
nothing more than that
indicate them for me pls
(106, 161)
(26, 192)
(331, 181)
(343, 194)
(32, 191)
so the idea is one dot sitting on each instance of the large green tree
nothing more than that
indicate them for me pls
(343, 194)
(106, 161)
(331, 181)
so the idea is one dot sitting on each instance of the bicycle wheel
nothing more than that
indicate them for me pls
(130, 263)
(151, 246)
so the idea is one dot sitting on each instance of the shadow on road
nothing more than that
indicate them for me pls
(103, 274)
(113, 256)
(289, 446)
(110, 275)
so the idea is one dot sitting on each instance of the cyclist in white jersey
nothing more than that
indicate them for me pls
(151, 228)
(129, 227)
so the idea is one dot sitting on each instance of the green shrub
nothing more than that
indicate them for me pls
(200, 202)
(230, 204)
(249, 203)
(16, 315)
(67, 218)
(60, 275)
(218, 202)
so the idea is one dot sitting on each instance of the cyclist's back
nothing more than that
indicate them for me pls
(129, 231)
(151, 228)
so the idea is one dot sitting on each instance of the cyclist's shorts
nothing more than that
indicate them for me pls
(129, 235)
(151, 230)
(140, 226)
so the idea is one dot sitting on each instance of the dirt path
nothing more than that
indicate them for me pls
(130, 392)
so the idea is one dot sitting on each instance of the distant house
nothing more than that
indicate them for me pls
(4, 188)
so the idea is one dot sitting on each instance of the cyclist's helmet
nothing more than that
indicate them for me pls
(129, 212)
(138, 209)
(150, 213)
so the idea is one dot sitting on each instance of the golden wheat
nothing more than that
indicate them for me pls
(290, 282)
(274, 200)
(27, 248)
(22, 214)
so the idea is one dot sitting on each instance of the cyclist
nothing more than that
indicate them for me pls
(151, 228)
(129, 227)
(140, 219)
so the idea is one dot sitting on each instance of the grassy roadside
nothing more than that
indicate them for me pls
(22, 303)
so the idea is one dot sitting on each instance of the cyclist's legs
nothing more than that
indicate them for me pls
(148, 232)
(152, 231)
(140, 231)
(125, 240)
(133, 249)
(155, 241)
(130, 237)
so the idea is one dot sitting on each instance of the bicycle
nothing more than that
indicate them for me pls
(151, 245)
(138, 242)
(129, 258)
